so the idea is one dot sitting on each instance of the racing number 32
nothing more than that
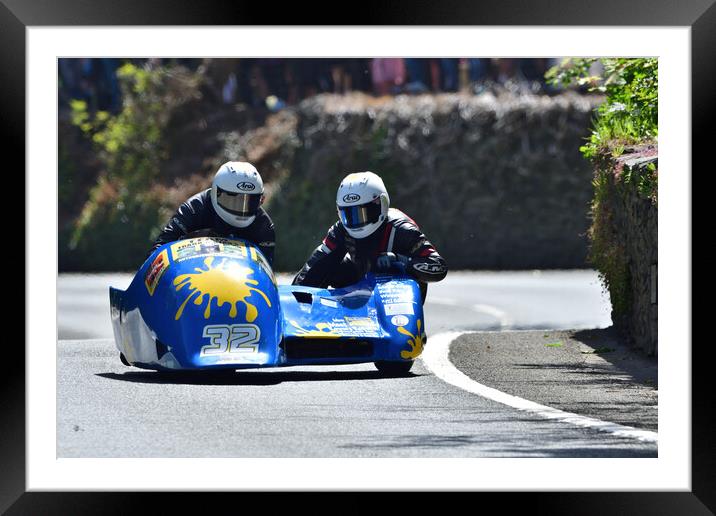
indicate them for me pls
(232, 338)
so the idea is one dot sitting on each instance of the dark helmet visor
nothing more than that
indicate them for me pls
(240, 204)
(358, 216)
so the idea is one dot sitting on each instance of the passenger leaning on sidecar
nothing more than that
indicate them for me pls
(370, 236)
(230, 208)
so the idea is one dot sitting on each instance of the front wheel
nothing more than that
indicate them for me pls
(394, 368)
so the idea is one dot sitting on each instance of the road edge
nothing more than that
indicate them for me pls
(435, 357)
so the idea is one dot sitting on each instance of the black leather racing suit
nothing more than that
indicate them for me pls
(198, 213)
(341, 260)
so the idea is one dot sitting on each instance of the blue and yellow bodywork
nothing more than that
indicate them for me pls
(209, 303)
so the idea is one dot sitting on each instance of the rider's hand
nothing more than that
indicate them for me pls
(387, 261)
(384, 261)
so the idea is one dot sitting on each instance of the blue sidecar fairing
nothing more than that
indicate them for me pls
(207, 303)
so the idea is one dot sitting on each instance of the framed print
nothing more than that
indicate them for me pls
(82, 438)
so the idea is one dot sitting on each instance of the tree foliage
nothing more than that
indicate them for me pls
(122, 209)
(630, 112)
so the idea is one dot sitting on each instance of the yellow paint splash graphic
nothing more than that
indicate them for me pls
(227, 284)
(323, 330)
(416, 342)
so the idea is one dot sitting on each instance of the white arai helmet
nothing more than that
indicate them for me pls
(362, 203)
(237, 192)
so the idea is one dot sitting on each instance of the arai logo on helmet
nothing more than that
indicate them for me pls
(351, 197)
(245, 185)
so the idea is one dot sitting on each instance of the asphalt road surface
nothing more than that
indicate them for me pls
(105, 409)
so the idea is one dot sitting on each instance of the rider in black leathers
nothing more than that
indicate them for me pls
(342, 259)
(229, 216)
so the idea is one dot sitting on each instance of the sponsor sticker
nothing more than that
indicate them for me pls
(155, 271)
(399, 308)
(192, 247)
(213, 246)
(361, 322)
(399, 320)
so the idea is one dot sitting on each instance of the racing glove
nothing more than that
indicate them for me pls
(388, 261)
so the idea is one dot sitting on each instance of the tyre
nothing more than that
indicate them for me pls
(394, 368)
(124, 359)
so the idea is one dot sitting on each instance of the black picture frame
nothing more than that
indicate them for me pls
(17, 15)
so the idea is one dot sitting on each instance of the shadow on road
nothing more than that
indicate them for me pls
(503, 446)
(642, 368)
(247, 378)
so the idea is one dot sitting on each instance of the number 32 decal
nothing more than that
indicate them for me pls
(233, 338)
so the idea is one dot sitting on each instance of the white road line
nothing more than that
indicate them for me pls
(435, 357)
(504, 319)
(498, 314)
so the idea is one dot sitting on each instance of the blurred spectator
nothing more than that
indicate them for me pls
(257, 84)
(70, 75)
(220, 75)
(91, 80)
(277, 82)
(435, 75)
(339, 77)
(109, 97)
(323, 75)
(244, 89)
(301, 73)
(308, 77)
(450, 76)
(187, 62)
(358, 71)
(506, 69)
(273, 71)
(417, 75)
(478, 68)
(350, 74)
(388, 75)
(228, 92)
(533, 70)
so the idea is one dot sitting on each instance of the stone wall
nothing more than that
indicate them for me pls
(635, 223)
(495, 180)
